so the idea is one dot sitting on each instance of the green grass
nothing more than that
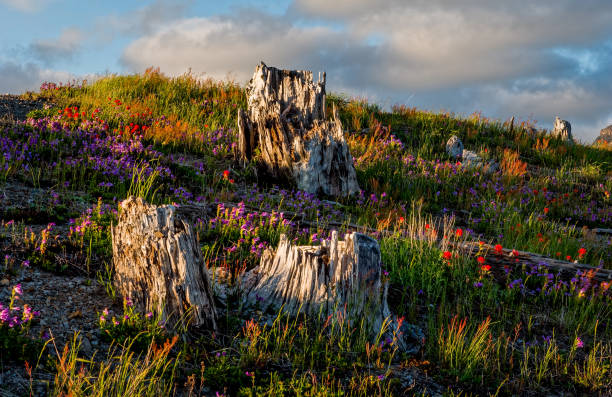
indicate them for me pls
(503, 331)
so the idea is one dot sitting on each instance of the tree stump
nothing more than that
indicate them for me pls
(158, 263)
(286, 120)
(333, 277)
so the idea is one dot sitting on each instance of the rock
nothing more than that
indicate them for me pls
(4, 282)
(286, 122)
(454, 147)
(605, 136)
(470, 158)
(563, 130)
(473, 160)
(86, 346)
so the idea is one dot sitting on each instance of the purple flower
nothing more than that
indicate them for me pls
(579, 342)
(17, 289)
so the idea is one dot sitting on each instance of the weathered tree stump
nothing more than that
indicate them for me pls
(337, 276)
(286, 120)
(159, 265)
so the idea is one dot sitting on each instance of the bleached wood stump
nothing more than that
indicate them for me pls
(286, 120)
(159, 265)
(337, 276)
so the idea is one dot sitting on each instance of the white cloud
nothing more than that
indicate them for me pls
(529, 59)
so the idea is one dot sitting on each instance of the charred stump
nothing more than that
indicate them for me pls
(158, 263)
(286, 121)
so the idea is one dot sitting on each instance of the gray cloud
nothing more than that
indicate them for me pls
(64, 47)
(18, 78)
(142, 21)
(530, 59)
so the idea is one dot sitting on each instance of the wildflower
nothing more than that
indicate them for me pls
(579, 343)
(499, 249)
(17, 289)
(568, 258)
(226, 174)
(546, 210)
(381, 377)
(249, 374)
(25, 263)
(102, 319)
(477, 284)
(105, 311)
(459, 233)
(485, 268)
(401, 219)
(149, 314)
(480, 260)
(447, 255)
(582, 252)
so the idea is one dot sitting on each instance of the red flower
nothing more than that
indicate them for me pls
(481, 260)
(401, 219)
(546, 210)
(447, 255)
(499, 249)
(459, 232)
(226, 174)
(568, 258)
(515, 253)
(582, 252)
(427, 226)
(485, 268)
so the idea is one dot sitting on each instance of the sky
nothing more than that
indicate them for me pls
(530, 59)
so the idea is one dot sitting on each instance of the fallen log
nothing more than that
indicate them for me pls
(286, 122)
(516, 258)
(158, 264)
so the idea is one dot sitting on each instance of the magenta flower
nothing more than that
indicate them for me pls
(579, 342)
(17, 289)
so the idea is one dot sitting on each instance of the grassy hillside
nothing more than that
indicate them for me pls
(511, 330)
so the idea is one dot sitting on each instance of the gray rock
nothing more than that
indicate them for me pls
(605, 136)
(454, 147)
(563, 129)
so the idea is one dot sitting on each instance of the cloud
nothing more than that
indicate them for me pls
(144, 20)
(18, 78)
(63, 47)
(26, 5)
(535, 59)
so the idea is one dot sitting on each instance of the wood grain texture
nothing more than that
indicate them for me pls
(158, 263)
(286, 121)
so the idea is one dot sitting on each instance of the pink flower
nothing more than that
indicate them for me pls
(579, 342)
(17, 289)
